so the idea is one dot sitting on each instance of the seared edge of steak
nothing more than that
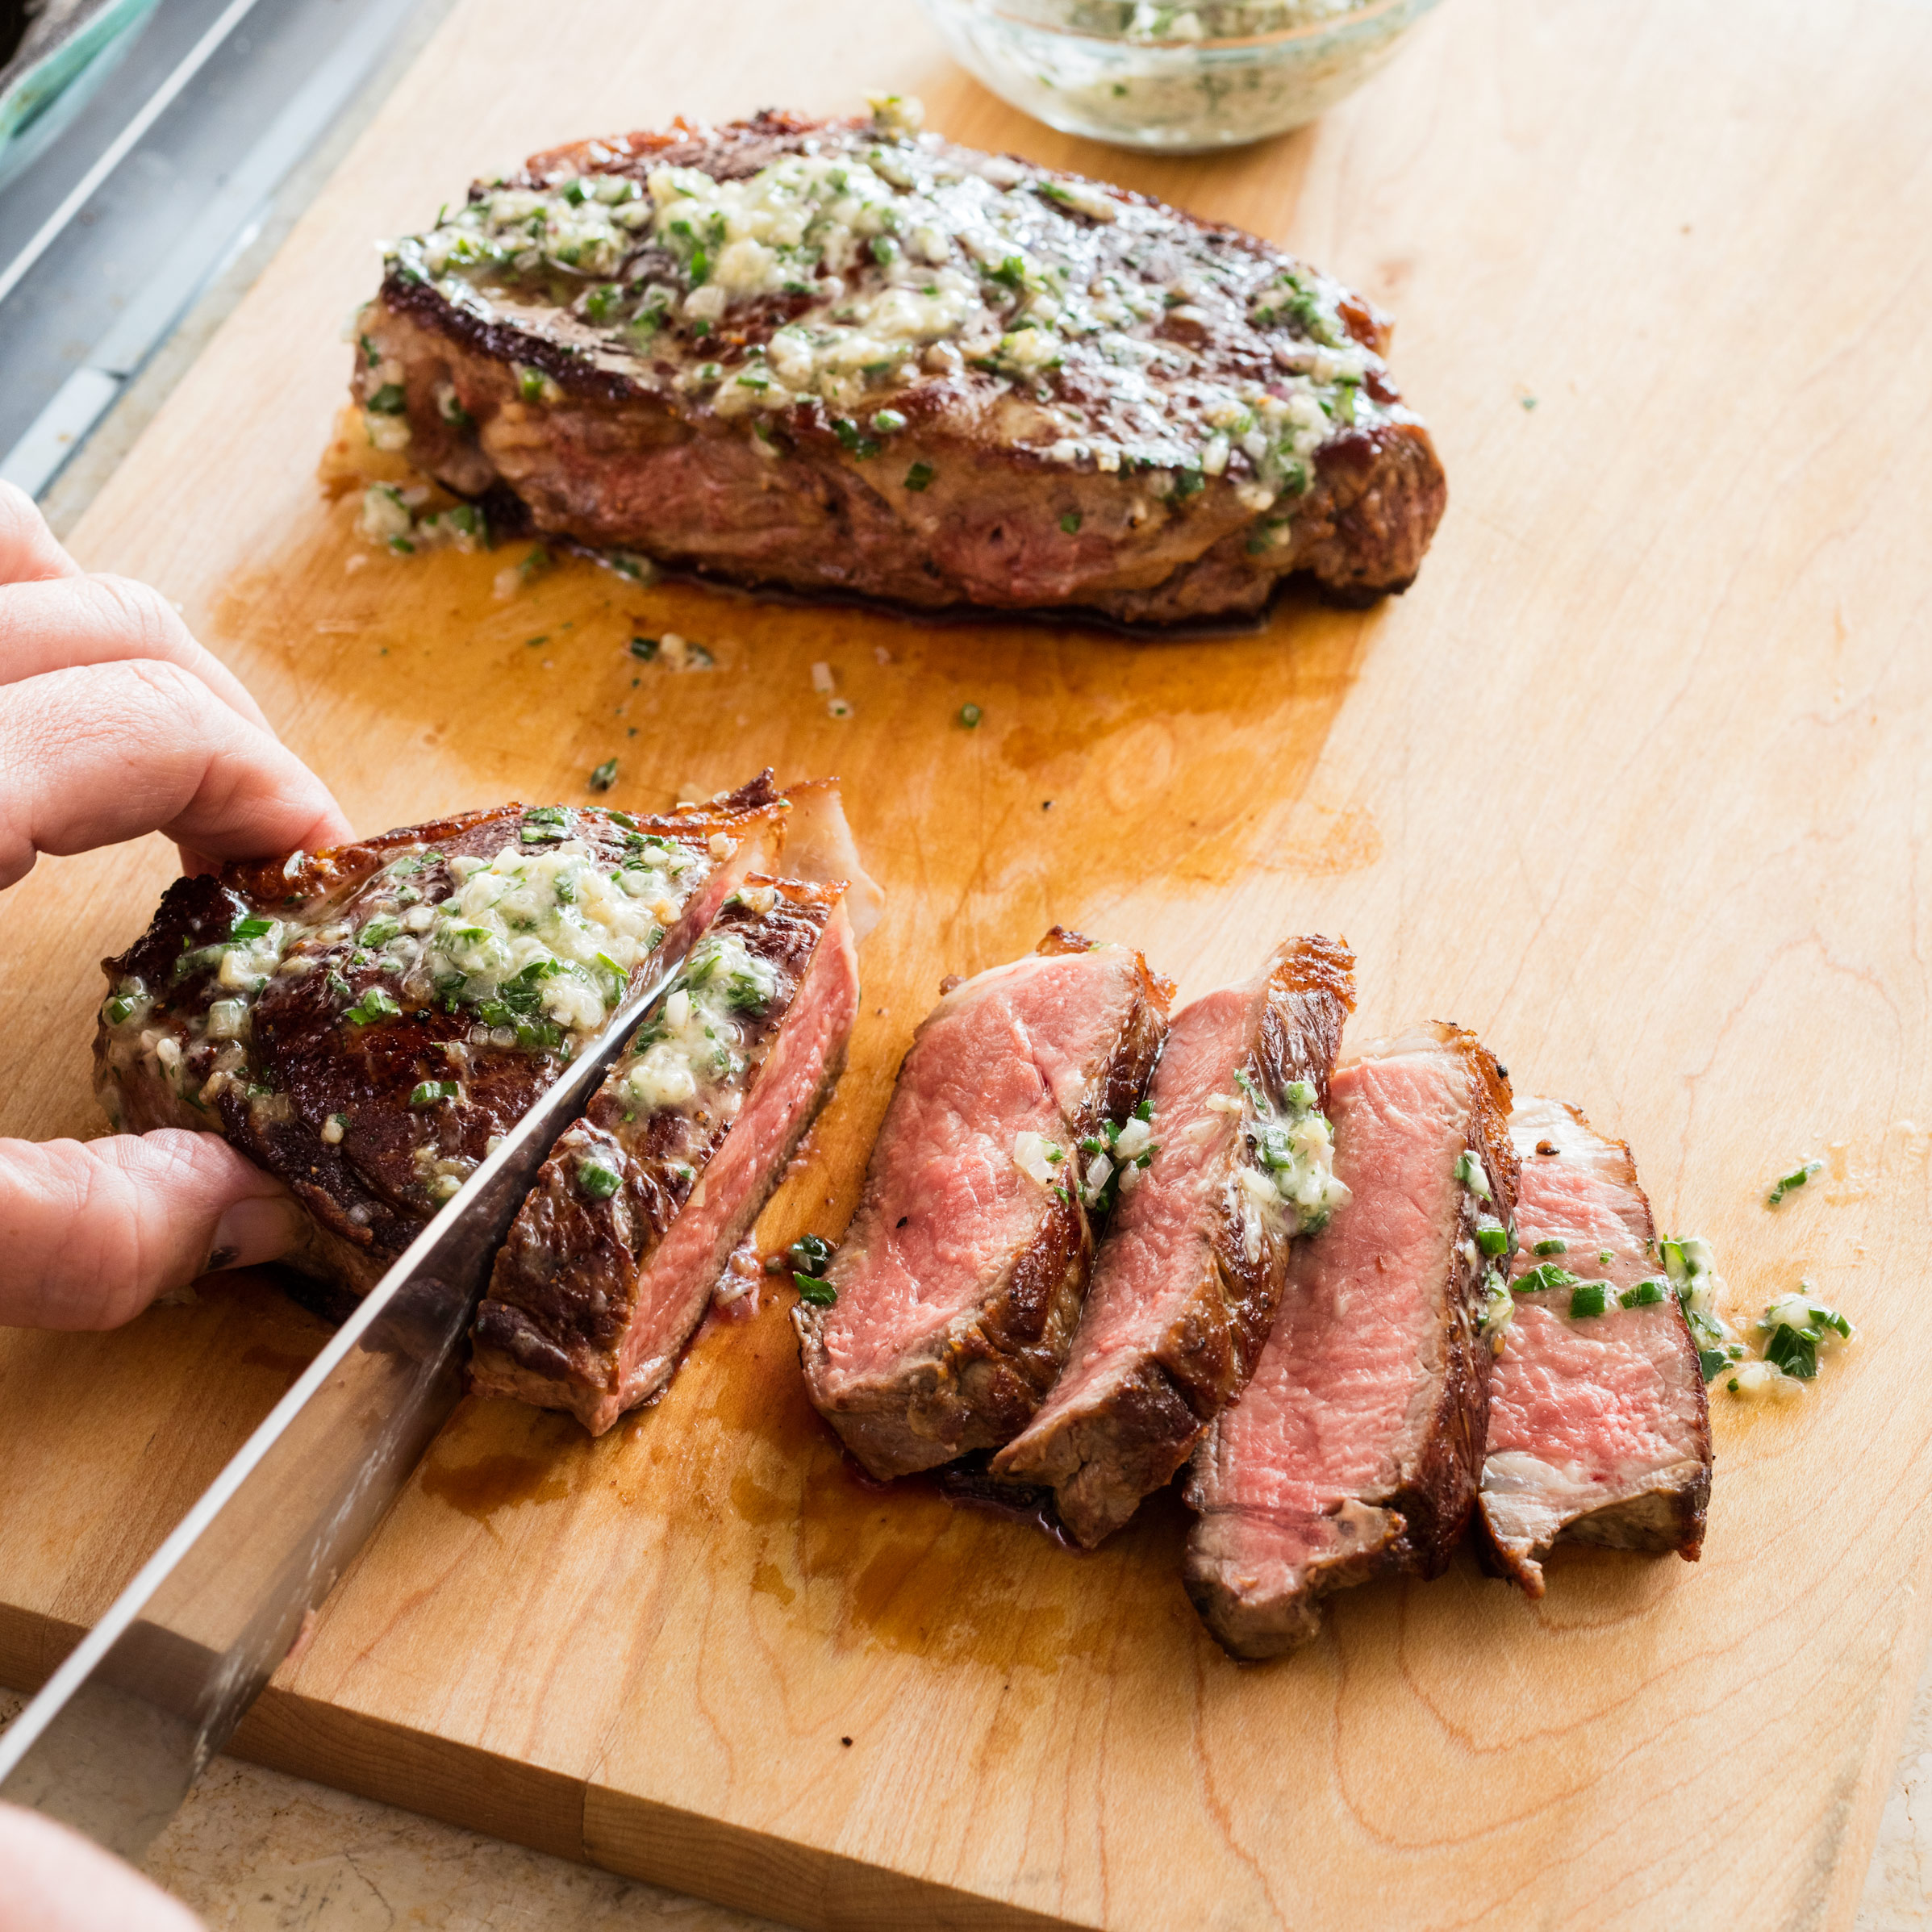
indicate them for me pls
(1158, 1355)
(925, 1388)
(614, 1257)
(1600, 1427)
(1259, 1560)
(270, 1003)
(1256, 434)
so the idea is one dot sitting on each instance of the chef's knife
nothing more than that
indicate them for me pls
(121, 1731)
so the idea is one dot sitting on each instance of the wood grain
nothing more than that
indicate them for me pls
(1633, 781)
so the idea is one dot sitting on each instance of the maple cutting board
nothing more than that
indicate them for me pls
(1635, 780)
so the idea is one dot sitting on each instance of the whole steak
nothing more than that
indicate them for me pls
(846, 356)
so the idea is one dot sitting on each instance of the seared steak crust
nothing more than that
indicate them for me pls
(368, 1091)
(568, 1323)
(1154, 418)
(906, 1387)
(1164, 1345)
(1599, 1424)
(1357, 1448)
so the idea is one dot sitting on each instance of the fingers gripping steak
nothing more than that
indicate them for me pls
(1190, 1275)
(846, 356)
(1355, 1449)
(1599, 1427)
(614, 1258)
(960, 1279)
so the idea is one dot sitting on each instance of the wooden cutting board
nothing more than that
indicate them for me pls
(1636, 780)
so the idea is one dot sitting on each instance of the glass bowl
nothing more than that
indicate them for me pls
(1185, 80)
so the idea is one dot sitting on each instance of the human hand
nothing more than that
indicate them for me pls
(58, 1882)
(115, 722)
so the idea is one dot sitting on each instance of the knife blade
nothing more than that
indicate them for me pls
(119, 1732)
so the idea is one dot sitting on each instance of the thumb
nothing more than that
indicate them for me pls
(92, 1231)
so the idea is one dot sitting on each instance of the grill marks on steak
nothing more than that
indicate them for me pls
(961, 1278)
(1355, 1449)
(1190, 1275)
(1599, 1425)
(991, 493)
(603, 1280)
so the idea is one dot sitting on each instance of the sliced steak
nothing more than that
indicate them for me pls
(1355, 1449)
(961, 1278)
(614, 1257)
(1190, 1275)
(843, 357)
(1599, 1431)
(363, 1022)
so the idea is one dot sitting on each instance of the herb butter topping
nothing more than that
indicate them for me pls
(534, 945)
(688, 1053)
(839, 279)
(1292, 1160)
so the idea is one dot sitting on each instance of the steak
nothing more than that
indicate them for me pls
(362, 1023)
(1190, 1275)
(961, 1278)
(1355, 1449)
(1599, 1428)
(848, 357)
(614, 1257)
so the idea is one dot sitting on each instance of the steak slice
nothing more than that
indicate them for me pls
(1355, 1450)
(1600, 1430)
(614, 1256)
(1190, 1276)
(363, 1022)
(845, 357)
(961, 1278)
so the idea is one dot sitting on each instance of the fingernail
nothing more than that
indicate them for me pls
(255, 1230)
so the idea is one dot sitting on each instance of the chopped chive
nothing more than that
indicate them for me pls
(1493, 1240)
(251, 928)
(605, 776)
(426, 1093)
(887, 421)
(645, 647)
(374, 1004)
(1469, 1171)
(119, 1008)
(1604, 1257)
(1587, 1298)
(1786, 1183)
(1553, 1247)
(597, 1179)
(1070, 523)
(1548, 1276)
(1144, 1111)
(970, 716)
(918, 476)
(1643, 1295)
(387, 400)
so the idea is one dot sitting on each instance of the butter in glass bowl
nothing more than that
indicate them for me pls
(1184, 80)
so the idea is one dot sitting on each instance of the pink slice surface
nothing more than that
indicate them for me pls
(1358, 1343)
(1009, 1052)
(1600, 1398)
(1156, 1250)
